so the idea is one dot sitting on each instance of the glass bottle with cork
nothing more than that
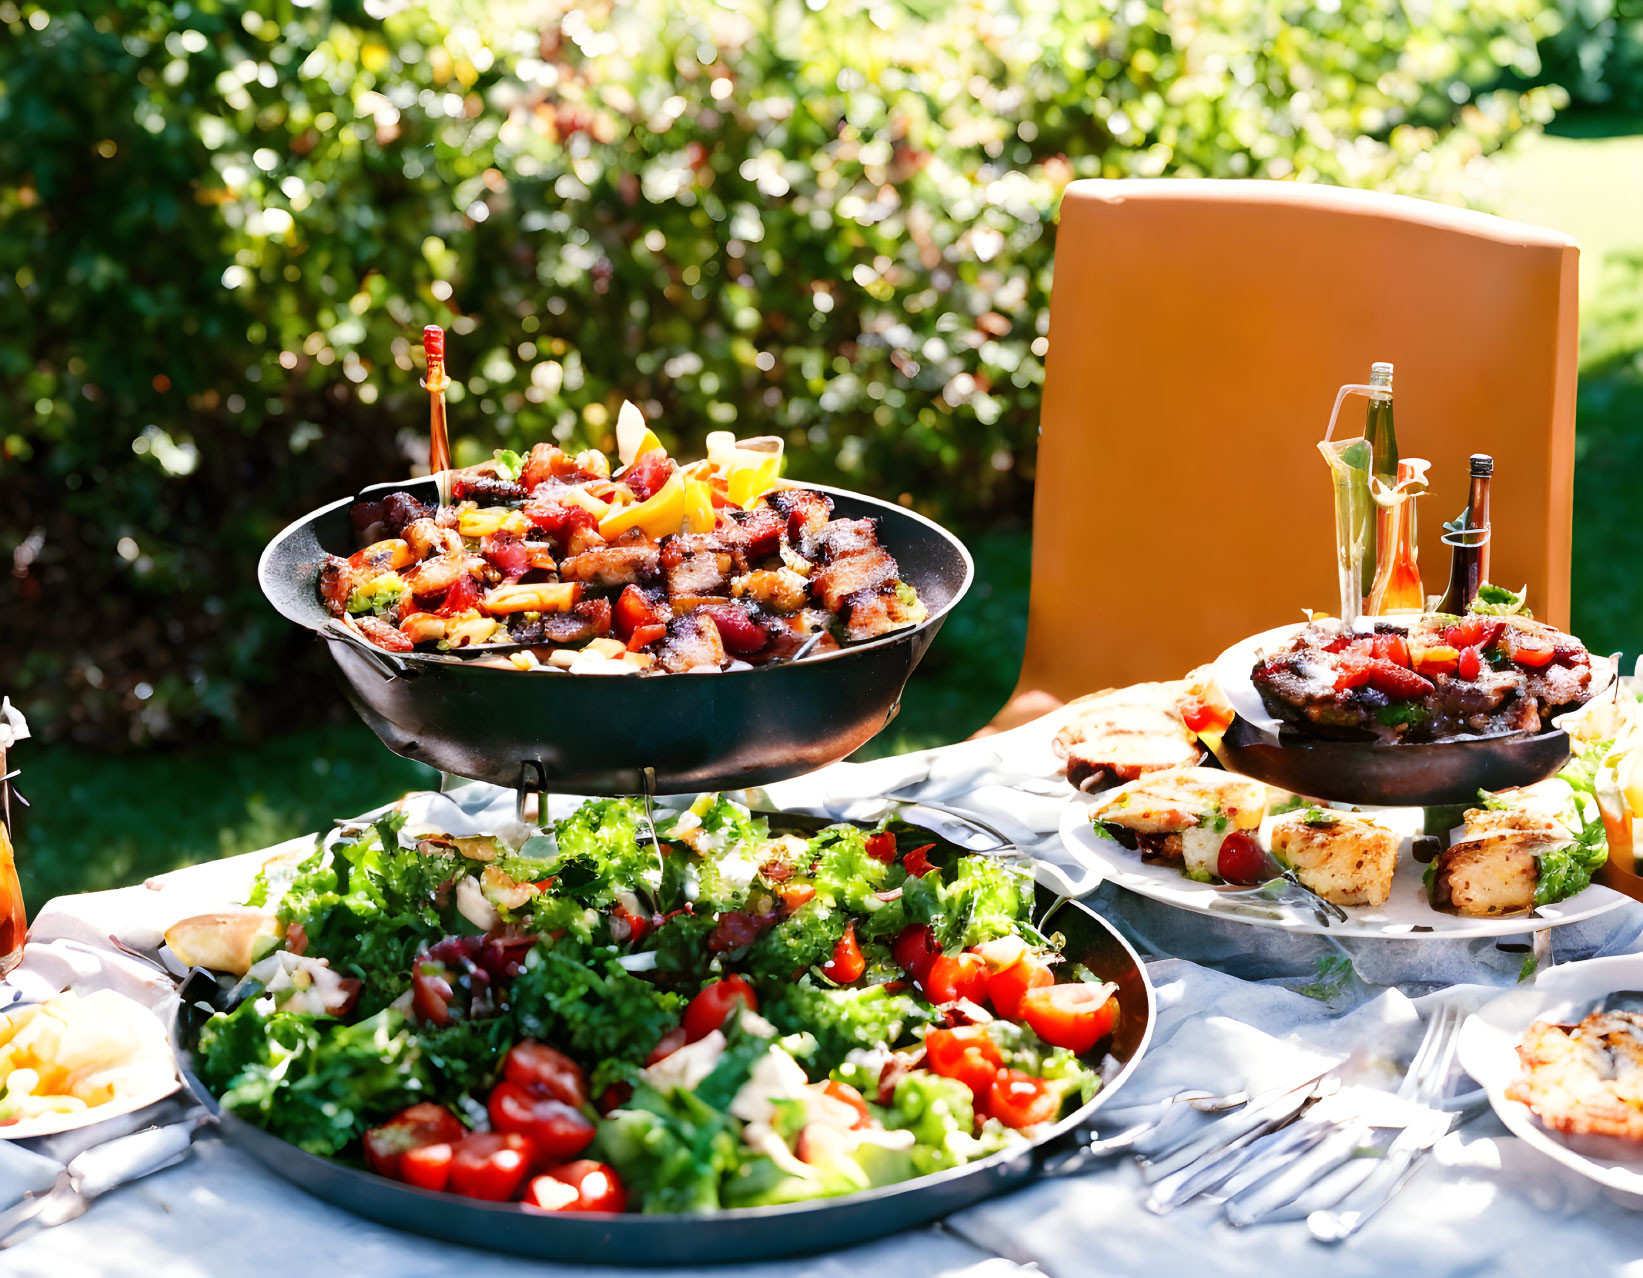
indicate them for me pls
(1467, 536)
(1383, 444)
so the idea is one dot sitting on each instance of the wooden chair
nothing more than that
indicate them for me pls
(1198, 333)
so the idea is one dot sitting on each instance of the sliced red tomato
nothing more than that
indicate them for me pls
(644, 636)
(966, 1054)
(670, 1042)
(1530, 650)
(848, 1095)
(490, 1165)
(917, 862)
(847, 964)
(424, 1124)
(555, 1130)
(1393, 648)
(427, 1166)
(1351, 671)
(1395, 681)
(1469, 665)
(1473, 632)
(1200, 716)
(1007, 986)
(914, 949)
(1019, 1100)
(795, 895)
(882, 846)
(431, 996)
(551, 1072)
(954, 976)
(712, 1007)
(1076, 1017)
(634, 609)
(592, 1186)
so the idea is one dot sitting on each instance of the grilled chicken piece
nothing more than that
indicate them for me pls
(692, 643)
(1122, 733)
(1180, 817)
(1585, 1079)
(831, 586)
(612, 565)
(697, 564)
(1344, 858)
(436, 576)
(844, 537)
(806, 512)
(426, 538)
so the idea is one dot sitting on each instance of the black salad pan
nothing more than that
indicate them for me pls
(603, 734)
(740, 1234)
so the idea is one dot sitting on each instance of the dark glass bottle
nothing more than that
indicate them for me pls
(1383, 444)
(1468, 539)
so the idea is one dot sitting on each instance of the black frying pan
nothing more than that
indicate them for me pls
(758, 1233)
(598, 734)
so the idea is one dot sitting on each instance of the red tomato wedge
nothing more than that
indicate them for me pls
(427, 1166)
(966, 1054)
(917, 862)
(882, 846)
(670, 1042)
(914, 950)
(712, 1007)
(551, 1072)
(1019, 1100)
(1076, 1017)
(410, 1129)
(847, 963)
(957, 976)
(1008, 986)
(584, 1185)
(555, 1130)
(490, 1165)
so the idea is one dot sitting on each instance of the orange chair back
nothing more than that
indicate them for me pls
(1198, 333)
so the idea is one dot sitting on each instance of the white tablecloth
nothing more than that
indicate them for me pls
(1228, 1016)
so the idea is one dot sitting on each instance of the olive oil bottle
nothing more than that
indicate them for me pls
(1383, 443)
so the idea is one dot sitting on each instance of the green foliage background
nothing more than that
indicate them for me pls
(222, 226)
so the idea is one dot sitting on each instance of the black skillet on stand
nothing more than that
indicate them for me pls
(601, 734)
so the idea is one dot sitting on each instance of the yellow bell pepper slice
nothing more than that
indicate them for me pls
(662, 513)
(750, 467)
(699, 506)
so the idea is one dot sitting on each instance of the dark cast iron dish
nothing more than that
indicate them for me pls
(605, 734)
(742, 1234)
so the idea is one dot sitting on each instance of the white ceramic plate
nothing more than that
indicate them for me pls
(1488, 1052)
(1406, 914)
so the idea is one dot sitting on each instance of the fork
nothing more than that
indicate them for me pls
(1071, 1161)
(1387, 1180)
(1285, 1176)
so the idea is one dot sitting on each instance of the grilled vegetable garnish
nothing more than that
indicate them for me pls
(1182, 817)
(1427, 680)
(1585, 1079)
(546, 561)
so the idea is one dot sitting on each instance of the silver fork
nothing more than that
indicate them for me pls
(1071, 1161)
(1301, 1159)
(1383, 1184)
(1285, 889)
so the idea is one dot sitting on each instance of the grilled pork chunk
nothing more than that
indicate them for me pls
(692, 643)
(612, 565)
(1343, 857)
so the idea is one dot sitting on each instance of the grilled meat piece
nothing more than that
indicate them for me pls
(425, 538)
(336, 583)
(1180, 817)
(487, 490)
(629, 565)
(1585, 1079)
(844, 537)
(546, 462)
(697, 564)
(588, 619)
(855, 574)
(806, 512)
(1122, 733)
(375, 520)
(872, 615)
(692, 643)
(762, 531)
(780, 590)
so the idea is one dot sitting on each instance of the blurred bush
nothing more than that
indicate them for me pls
(222, 226)
(1596, 54)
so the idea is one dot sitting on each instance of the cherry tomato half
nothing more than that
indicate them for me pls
(712, 1007)
(555, 1130)
(424, 1124)
(490, 1165)
(427, 1166)
(1241, 859)
(552, 1073)
(882, 846)
(917, 862)
(1019, 1100)
(848, 1095)
(1005, 988)
(957, 976)
(847, 964)
(1469, 665)
(1076, 1017)
(584, 1185)
(966, 1054)
(669, 1043)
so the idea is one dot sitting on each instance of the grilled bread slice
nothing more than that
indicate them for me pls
(1343, 857)
(1181, 816)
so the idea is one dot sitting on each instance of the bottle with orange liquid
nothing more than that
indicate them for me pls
(1397, 585)
(14, 924)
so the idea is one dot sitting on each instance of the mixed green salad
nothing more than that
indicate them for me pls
(722, 1015)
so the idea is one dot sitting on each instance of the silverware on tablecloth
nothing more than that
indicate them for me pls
(96, 1171)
